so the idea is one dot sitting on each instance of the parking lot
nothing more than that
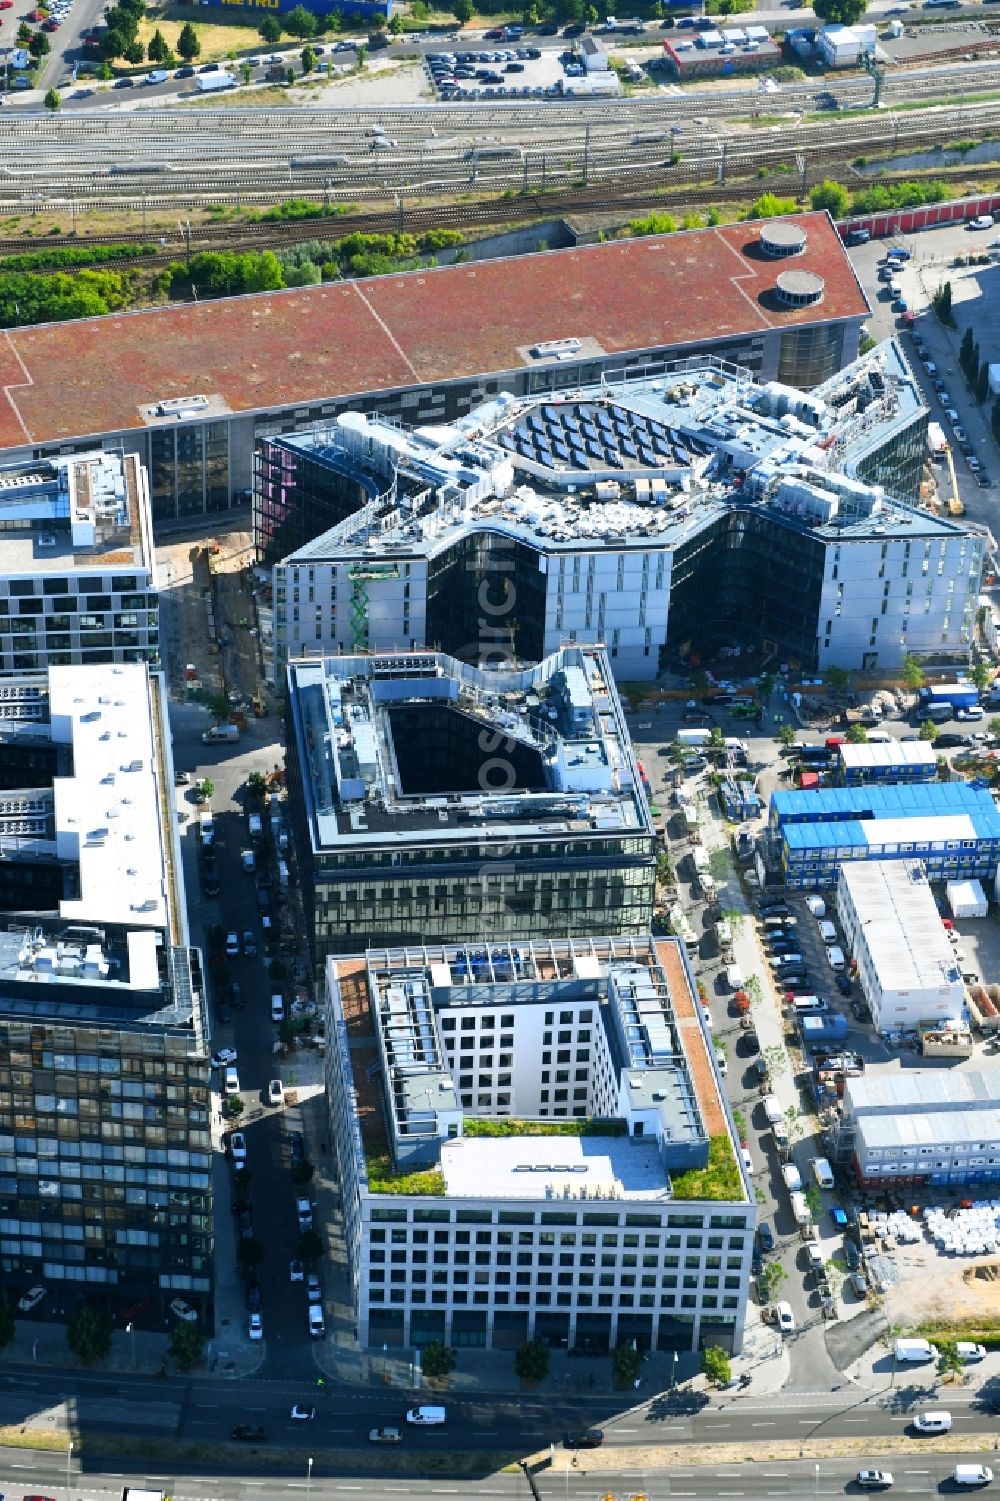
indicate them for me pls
(933, 347)
(511, 71)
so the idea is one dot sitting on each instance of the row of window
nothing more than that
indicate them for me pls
(545, 1298)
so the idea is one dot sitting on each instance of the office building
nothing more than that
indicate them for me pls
(952, 828)
(696, 508)
(433, 801)
(465, 1219)
(190, 387)
(930, 1128)
(903, 956)
(105, 1151)
(77, 565)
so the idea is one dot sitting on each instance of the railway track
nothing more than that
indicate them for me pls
(416, 219)
(637, 166)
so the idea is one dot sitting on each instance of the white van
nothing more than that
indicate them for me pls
(734, 977)
(816, 906)
(914, 1351)
(425, 1415)
(835, 957)
(277, 1008)
(809, 1005)
(973, 1475)
(317, 1328)
(932, 1422)
(772, 1109)
(800, 1208)
(231, 1081)
(879, 737)
(828, 932)
(792, 1177)
(822, 1172)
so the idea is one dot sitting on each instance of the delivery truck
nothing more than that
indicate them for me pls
(213, 83)
(960, 695)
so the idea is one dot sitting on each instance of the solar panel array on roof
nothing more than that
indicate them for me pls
(596, 435)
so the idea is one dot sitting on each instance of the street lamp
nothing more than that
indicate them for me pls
(673, 1368)
(309, 1476)
(817, 1480)
(130, 1330)
(69, 1461)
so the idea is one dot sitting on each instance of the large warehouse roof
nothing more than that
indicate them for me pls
(926, 1088)
(276, 349)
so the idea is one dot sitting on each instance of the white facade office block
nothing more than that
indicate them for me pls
(642, 516)
(587, 1234)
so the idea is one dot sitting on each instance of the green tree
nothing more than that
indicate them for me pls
(716, 739)
(941, 303)
(269, 30)
(929, 731)
(716, 1365)
(814, 1199)
(462, 11)
(966, 356)
(246, 72)
(310, 1245)
(437, 1360)
(289, 75)
(857, 734)
(361, 53)
(785, 735)
(773, 1276)
(105, 73)
(39, 45)
(188, 45)
(6, 1323)
(832, 196)
(838, 679)
(531, 1361)
(257, 785)
(396, 24)
(88, 1333)
(626, 1363)
(949, 1360)
(52, 100)
(308, 59)
(234, 1105)
(981, 675)
(158, 49)
(839, 12)
(768, 206)
(186, 1344)
(913, 673)
(982, 382)
(994, 726)
(134, 53)
(300, 22)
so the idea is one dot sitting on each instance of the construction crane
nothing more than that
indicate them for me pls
(955, 505)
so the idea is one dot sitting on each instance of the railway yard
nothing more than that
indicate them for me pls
(653, 149)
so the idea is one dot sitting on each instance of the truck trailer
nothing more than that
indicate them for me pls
(960, 695)
(212, 83)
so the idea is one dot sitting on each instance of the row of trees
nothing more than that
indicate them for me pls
(975, 369)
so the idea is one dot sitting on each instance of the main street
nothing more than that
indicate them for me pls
(914, 1475)
(491, 1424)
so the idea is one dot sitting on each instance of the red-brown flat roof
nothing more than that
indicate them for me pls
(275, 349)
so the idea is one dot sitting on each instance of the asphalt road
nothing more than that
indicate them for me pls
(501, 1428)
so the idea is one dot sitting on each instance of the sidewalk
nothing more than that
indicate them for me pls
(45, 1344)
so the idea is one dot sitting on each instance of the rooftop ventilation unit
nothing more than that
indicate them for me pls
(46, 540)
(798, 289)
(779, 240)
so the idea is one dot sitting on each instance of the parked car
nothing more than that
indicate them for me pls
(786, 1318)
(238, 1148)
(275, 1092)
(182, 1310)
(384, 1436)
(249, 1433)
(873, 1480)
(296, 1271)
(584, 1438)
(224, 1056)
(255, 1326)
(31, 1298)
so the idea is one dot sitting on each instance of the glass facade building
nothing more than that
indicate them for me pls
(105, 1146)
